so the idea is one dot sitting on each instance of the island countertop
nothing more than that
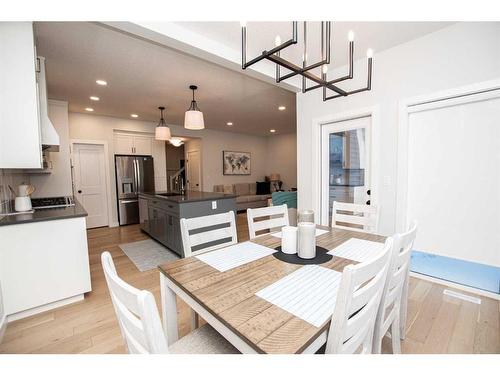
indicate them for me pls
(188, 196)
(45, 214)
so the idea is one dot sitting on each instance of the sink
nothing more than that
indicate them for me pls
(169, 194)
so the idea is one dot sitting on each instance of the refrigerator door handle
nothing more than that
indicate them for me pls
(136, 175)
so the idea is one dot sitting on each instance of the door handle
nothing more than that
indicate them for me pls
(130, 201)
(79, 191)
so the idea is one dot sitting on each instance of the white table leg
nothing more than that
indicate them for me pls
(169, 311)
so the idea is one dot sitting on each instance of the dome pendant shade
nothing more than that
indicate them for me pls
(193, 119)
(162, 131)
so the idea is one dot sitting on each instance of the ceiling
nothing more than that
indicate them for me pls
(378, 36)
(142, 76)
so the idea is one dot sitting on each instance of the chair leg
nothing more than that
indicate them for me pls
(194, 320)
(403, 309)
(395, 337)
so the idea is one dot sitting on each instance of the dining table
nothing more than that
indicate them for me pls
(228, 301)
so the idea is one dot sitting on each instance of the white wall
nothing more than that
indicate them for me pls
(458, 55)
(282, 158)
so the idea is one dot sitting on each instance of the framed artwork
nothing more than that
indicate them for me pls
(236, 163)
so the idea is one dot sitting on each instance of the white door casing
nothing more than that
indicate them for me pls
(89, 173)
(193, 170)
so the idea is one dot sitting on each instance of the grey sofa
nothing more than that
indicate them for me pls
(246, 196)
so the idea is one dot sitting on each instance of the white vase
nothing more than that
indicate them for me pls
(306, 240)
(289, 240)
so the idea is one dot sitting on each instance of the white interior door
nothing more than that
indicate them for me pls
(345, 164)
(453, 184)
(193, 170)
(89, 175)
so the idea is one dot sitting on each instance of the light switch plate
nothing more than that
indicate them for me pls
(214, 205)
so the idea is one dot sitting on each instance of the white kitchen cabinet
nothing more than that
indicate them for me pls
(20, 129)
(143, 145)
(43, 265)
(132, 144)
(123, 144)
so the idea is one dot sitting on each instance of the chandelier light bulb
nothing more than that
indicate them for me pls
(350, 36)
(277, 41)
(369, 53)
(304, 57)
(325, 69)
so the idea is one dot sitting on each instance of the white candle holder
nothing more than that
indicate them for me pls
(306, 240)
(289, 240)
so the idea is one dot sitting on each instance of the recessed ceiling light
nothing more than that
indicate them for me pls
(101, 82)
(134, 115)
(281, 107)
(94, 98)
(88, 109)
(229, 124)
(273, 130)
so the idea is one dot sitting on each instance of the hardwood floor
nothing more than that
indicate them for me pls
(437, 323)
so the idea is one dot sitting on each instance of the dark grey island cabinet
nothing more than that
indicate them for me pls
(160, 213)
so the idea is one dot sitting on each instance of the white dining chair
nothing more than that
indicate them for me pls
(140, 322)
(389, 312)
(358, 299)
(207, 233)
(275, 217)
(3, 317)
(363, 218)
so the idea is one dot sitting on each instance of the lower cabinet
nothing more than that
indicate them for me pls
(164, 226)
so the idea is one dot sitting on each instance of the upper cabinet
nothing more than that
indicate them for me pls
(20, 127)
(132, 144)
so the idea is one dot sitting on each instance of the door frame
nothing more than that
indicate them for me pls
(374, 113)
(107, 179)
(199, 165)
(462, 94)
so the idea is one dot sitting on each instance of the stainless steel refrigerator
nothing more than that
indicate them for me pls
(134, 174)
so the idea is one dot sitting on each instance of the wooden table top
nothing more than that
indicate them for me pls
(230, 296)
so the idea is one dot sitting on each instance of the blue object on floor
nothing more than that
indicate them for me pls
(475, 275)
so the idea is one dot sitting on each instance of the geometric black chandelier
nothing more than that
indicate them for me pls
(329, 86)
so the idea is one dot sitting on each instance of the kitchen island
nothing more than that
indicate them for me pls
(160, 213)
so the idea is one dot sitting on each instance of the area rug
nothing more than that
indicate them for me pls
(147, 254)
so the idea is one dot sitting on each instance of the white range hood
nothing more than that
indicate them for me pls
(50, 138)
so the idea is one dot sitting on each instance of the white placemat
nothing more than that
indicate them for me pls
(357, 250)
(319, 232)
(308, 293)
(235, 255)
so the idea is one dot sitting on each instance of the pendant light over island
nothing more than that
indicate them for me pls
(162, 132)
(193, 118)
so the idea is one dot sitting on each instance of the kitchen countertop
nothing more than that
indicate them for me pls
(189, 196)
(45, 215)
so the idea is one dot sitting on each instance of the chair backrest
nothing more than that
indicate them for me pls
(136, 312)
(206, 233)
(358, 299)
(396, 278)
(364, 217)
(3, 317)
(275, 217)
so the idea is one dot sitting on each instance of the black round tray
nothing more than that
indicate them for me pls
(321, 257)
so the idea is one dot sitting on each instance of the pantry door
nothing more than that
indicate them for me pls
(89, 181)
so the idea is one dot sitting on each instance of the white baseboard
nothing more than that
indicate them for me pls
(48, 306)
(114, 224)
(450, 284)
